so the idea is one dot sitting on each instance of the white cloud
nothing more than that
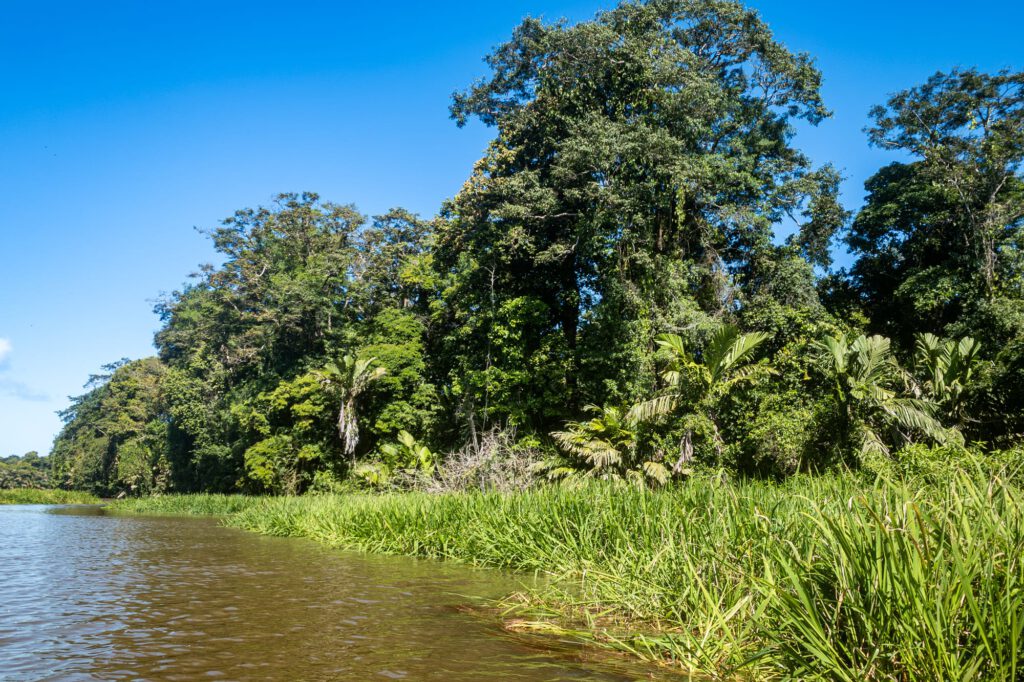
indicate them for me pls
(21, 391)
(12, 388)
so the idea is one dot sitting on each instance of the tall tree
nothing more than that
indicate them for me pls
(642, 167)
(939, 241)
(115, 435)
(283, 290)
(282, 298)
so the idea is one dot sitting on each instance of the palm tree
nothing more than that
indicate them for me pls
(948, 366)
(350, 378)
(701, 383)
(864, 375)
(607, 445)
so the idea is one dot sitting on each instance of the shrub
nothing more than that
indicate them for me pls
(777, 441)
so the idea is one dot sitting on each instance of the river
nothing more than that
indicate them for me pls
(85, 595)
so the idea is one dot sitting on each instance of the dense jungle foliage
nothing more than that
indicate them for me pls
(634, 282)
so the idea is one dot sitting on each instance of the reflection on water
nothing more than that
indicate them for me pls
(86, 596)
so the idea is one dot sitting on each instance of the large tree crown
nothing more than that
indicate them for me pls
(635, 58)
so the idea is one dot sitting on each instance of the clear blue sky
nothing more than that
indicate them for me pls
(125, 124)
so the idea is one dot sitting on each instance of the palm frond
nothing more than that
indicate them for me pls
(872, 359)
(720, 344)
(656, 471)
(652, 409)
(832, 353)
(871, 443)
(963, 357)
(913, 415)
(673, 343)
(747, 374)
(740, 349)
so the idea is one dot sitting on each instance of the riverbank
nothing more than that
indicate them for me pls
(46, 496)
(828, 576)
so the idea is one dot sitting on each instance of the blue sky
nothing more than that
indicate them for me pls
(123, 125)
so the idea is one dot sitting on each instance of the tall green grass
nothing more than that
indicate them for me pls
(817, 578)
(201, 504)
(905, 586)
(45, 496)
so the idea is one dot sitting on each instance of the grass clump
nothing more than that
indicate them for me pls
(201, 504)
(45, 496)
(831, 577)
(903, 587)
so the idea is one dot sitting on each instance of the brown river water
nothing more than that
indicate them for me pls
(90, 596)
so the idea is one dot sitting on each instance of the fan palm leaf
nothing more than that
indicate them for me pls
(866, 375)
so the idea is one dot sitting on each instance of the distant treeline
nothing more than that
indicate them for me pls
(27, 471)
(636, 278)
